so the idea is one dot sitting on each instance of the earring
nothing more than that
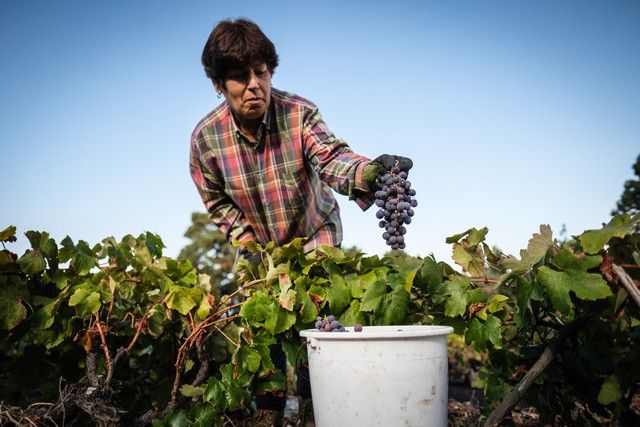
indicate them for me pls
(219, 95)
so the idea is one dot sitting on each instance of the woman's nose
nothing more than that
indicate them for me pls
(253, 80)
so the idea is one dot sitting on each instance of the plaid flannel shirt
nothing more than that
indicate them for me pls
(280, 187)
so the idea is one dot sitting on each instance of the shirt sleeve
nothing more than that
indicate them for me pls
(223, 212)
(338, 166)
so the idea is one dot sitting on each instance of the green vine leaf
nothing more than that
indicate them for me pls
(496, 303)
(523, 292)
(593, 241)
(308, 310)
(567, 260)
(32, 262)
(353, 314)
(373, 296)
(338, 294)
(537, 248)
(81, 256)
(41, 242)
(182, 299)
(214, 394)
(12, 310)
(249, 358)
(260, 310)
(610, 391)
(559, 284)
(456, 294)
(285, 320)
(334, 254)
(395, 306)
(8, 234)
(474, 236)
(85, 300)
(206, 415)
(479, 333)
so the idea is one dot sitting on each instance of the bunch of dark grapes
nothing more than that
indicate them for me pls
(329, 324)
(395, 200)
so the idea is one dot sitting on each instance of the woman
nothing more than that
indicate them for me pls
(264, 161)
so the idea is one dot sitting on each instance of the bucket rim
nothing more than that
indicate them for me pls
(380, 332)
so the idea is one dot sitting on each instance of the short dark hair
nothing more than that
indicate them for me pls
(233, 45)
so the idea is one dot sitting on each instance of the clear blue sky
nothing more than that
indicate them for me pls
(516, 113)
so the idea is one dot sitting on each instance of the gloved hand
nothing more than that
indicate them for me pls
(253, 258)
(389, 160)
(386, 162)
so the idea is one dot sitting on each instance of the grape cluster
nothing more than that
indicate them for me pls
(329, 324)
(395, 200)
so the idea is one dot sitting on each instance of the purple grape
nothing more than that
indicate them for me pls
(394, 198)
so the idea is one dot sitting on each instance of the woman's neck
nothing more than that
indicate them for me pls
(249, 127)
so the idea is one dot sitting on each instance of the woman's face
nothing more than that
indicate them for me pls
(248, 90)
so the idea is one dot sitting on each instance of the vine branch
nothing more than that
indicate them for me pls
(105, 349)
(497, 415)
(627, 282)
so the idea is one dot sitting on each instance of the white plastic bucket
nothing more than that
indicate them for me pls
(383, 376)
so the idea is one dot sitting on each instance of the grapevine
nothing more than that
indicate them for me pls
(97, 316)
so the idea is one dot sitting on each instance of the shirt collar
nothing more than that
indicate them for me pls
(266, 119)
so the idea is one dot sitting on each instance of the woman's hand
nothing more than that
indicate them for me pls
(389, 160)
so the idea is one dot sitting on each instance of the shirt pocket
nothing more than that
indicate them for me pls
(295, 183)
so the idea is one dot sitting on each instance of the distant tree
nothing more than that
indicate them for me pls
(630, 198)
(209, 251)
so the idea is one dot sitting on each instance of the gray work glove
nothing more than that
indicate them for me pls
(386, 162)
(389, 160)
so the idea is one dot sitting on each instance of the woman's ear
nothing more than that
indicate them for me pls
(217, 88)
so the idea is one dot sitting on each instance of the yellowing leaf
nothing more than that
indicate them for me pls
(470, 258)
(537, 248)
(12, 311)
(287, 299)
(188, 390)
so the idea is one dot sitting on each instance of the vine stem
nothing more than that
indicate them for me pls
(181, 357)
(105, 349)
(141, 324)
(245, 286)
(122, 351)
(627, 282)
(497, 415)
(483, 280)
(227, 337)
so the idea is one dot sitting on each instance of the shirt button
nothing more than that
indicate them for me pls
(267, 204)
